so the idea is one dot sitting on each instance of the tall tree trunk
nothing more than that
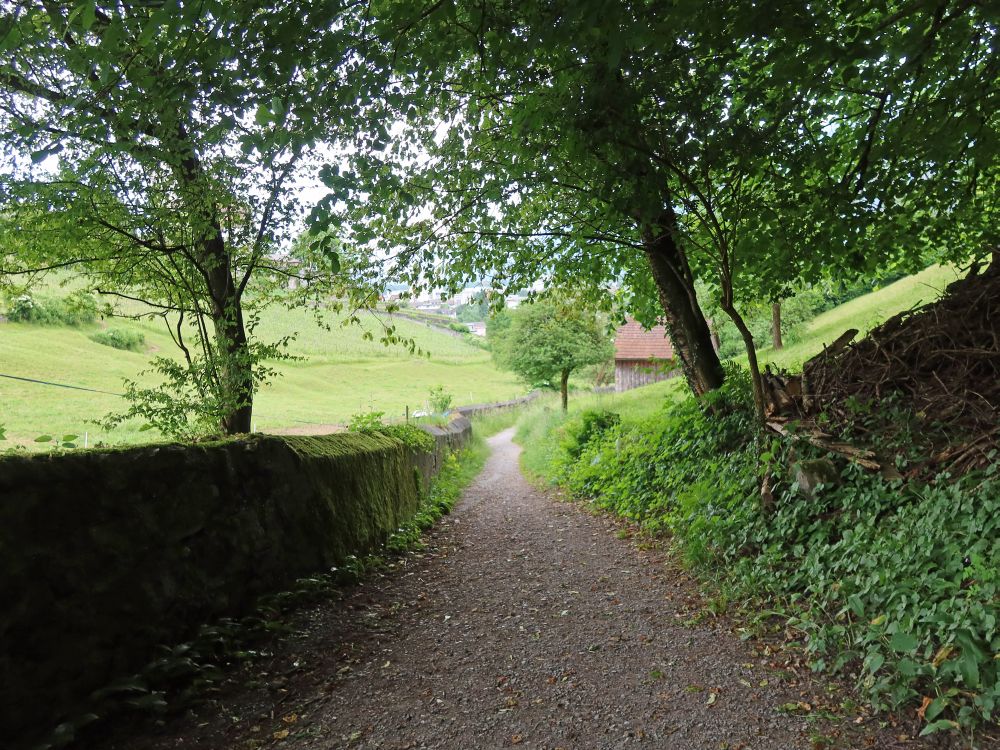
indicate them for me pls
(776, 325)
(564, 389)
(685, 322)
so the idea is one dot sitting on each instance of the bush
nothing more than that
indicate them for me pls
(119, 338)
(440, 399)
(78, 308)
(366, 421)
(577, 433)
(893, 584)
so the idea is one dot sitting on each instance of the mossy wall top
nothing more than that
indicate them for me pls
(105, 554)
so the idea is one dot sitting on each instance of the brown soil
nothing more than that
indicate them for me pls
(524, 622)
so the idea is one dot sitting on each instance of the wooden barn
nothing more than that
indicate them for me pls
(641, 356)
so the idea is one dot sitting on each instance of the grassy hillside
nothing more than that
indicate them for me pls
(340, 374)
(863, 313)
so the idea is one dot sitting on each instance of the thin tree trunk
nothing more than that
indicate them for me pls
(752, 361)
(235, 370)
(776, 325)
(729, 307)
(716, 343)
(685, 322)
(564, 389)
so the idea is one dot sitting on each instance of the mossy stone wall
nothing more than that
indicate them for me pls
(105, 554)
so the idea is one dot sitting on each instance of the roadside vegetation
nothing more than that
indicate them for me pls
(888, 582)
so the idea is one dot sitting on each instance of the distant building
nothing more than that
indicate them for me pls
(641, 356)
(477, 329)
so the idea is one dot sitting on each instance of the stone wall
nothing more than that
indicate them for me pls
(105, 554)
(477, 409)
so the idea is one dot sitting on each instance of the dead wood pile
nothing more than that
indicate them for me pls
(941, 361)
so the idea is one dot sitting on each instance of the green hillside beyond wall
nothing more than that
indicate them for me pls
(105, 554)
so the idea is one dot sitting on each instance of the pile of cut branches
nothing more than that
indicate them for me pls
(941, 362)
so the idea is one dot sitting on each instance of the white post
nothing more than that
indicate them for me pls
(86, 439)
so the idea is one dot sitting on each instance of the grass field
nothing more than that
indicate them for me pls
(863, 313)
(341, 373)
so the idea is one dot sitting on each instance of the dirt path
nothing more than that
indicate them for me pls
(526, 622)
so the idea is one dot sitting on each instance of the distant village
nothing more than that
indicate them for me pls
(451, 306)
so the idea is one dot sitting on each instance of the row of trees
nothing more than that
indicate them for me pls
(639, 143)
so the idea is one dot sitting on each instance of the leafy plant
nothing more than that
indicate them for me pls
(579, 432)
(440, 399)
(368, 421)
(66, 442)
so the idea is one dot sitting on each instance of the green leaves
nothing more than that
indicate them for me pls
(903, 642)
(547, 338)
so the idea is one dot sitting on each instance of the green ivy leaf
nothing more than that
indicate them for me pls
(903, 642)
(937, 726)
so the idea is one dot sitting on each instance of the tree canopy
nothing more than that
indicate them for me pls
(643, 145)
(626, 150)
(155, 148)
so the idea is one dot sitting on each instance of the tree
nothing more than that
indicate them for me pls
(547, 340)
(652, 144)
(165, 139)
(539, 175)
(776, 342)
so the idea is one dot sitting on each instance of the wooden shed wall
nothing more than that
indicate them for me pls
(631, 374)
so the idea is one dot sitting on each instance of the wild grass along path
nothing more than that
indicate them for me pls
(525, 622)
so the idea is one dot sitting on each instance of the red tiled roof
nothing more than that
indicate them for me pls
(632, 342)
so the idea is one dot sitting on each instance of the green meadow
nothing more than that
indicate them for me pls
(338, 373)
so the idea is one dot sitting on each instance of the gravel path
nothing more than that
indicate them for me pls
(525, 622)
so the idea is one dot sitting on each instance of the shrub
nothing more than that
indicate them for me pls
(120, 338)
(78, 308)
(440, 399)
(577, 433)
(366, 421)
